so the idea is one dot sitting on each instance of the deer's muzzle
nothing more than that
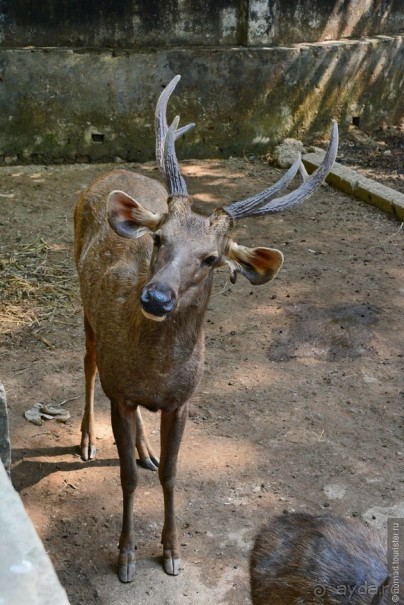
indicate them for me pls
(157, 301)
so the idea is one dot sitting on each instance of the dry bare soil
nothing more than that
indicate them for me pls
(299, 407)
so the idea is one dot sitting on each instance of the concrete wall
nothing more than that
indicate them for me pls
(281, 22)
(121, 24)
(168, 23)
(79, 80)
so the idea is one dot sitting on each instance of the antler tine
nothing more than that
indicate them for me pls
(161, 120)
(303, 172)
(245, 207)
(180, 131)
(175, 183)
(162, 130)
(307, 188)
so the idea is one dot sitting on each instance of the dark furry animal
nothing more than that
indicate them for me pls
(301, 559)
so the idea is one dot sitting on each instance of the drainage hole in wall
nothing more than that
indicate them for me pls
(356, 121)
(97, 137)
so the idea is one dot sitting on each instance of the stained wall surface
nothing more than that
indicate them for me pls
(162, 24)
(79, 80)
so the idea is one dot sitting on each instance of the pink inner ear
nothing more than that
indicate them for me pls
(263, 257)
(125, 210)
(122, 205)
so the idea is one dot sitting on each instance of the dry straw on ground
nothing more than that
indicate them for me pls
(36, 283)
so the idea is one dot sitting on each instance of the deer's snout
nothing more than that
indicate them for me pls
(157, 301)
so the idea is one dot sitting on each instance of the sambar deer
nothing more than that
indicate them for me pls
(145, 262)
(301, 558)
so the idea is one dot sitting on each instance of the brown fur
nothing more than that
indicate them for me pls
(164, 358)
(300, 559)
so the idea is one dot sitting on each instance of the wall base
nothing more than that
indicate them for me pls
(62, 105)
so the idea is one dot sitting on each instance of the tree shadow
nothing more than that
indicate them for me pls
(327, 333)
(26, 471)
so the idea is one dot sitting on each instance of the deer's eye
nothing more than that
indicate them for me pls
(210, 260)
(157, 239)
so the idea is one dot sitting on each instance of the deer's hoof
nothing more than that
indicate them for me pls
(172, 566)
(126, 567)
(88, 452)
(151, 463)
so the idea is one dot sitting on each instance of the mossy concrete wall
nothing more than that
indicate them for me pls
(79, 81)
(168, 23)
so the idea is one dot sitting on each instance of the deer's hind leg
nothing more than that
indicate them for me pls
(147, 457)
(88, 449)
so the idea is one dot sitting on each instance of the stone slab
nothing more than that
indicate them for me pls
(26, 572)
(349, 181)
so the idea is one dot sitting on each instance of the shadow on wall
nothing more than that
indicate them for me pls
(273, 22)
(354, 22)
(351, 82)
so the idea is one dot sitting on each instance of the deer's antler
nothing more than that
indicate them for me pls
(266, 202)
(165, 143)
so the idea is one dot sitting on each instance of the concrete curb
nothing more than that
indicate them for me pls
(349, 181)
(5, 447)
(26, 573)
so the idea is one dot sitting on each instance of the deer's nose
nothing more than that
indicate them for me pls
(158, 301)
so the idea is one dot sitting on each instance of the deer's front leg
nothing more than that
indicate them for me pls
(124, 428)
(172, 429)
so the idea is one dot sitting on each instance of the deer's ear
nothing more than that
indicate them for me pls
(258, 265)
(128, 218)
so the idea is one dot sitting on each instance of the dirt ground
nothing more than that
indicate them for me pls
(299, 408)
